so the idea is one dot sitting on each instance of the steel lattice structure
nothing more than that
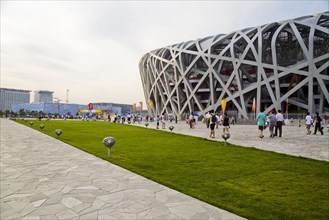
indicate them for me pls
(271, 63)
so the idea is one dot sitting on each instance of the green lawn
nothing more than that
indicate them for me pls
(249, 182)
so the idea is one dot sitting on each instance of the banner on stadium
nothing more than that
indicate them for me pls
(253, 108)
(223, 103)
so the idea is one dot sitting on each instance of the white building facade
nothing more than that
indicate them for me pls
(43, 96)
(9, 97)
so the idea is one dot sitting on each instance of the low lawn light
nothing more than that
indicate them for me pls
(225, 137)
(109, 143)
(58, 132)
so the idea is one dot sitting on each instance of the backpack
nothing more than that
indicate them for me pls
(213, 118)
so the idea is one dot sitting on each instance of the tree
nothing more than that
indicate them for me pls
(22, 112)
(7, 112)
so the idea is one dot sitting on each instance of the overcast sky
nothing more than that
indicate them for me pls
(93, 48)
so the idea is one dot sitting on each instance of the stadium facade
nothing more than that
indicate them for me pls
(276, 64)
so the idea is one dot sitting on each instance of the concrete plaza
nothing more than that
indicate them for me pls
(44, 178)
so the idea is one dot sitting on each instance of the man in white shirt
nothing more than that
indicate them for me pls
(279, 121)
(309, 122)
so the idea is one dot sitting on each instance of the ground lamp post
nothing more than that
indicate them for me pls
(109, 143)
(225, 137)
(58, 132)
(31, 123)
(41, 126)
(171, 128)
(146, 124)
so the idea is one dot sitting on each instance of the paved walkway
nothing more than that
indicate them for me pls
(294, 140)
(43, 178)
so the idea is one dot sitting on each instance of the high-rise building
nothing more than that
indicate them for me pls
(43, 96)
(9, 97)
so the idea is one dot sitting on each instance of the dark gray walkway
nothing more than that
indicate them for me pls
(43, 178)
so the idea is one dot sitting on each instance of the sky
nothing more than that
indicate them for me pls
(93, 48)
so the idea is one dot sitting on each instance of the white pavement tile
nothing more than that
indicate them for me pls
(67, 214)
(38, 202)
(70, 202)
(89, 216)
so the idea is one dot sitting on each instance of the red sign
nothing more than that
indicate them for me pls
(90, 106)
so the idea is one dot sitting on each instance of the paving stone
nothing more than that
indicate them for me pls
(67, 214)
(51, 209)
(89, 216)
(48, 217)
(37, 197)
(70, 202)
(9, 214)
(38, 202)
(18, 205)
(157, 211)
(98, 203)
(35, 217)
(106, 217)
(81, 207)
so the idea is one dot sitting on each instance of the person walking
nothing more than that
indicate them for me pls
(272, 122)
(212, 122)
(226, 123)
(318, 121)
(158, 121)
(163, 121)
(308, 123)
(279, 122)
(191, 120)
(208, 115)
(261, 122)
(218, 121)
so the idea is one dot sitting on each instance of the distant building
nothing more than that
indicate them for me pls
(73, 109)
(9, 97)
(43, 96)
(50, 108)
(113, 107)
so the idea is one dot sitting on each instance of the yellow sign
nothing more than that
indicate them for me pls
(150, 104)
(93, 111)
(223, 103)
(253, 108)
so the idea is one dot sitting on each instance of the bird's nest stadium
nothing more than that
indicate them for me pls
(271, 64)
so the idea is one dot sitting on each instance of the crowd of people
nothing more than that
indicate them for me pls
(213, 120)
(275, 122)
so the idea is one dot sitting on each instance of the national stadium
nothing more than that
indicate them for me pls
(281, 65)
